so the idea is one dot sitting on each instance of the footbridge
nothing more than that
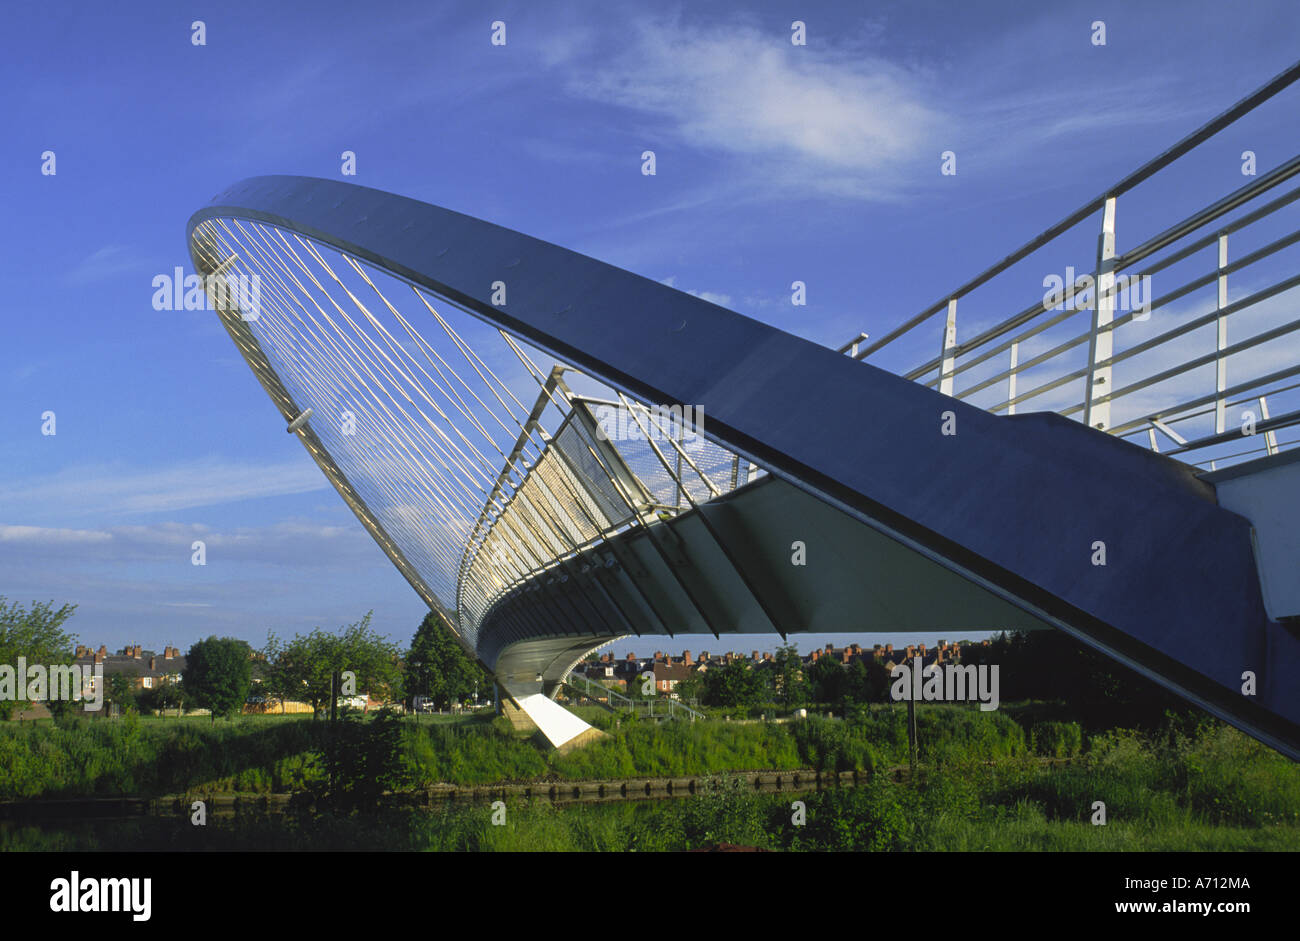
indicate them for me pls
(557, 453)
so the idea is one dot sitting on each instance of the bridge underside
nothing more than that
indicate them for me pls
(732, 566)
(771, 559)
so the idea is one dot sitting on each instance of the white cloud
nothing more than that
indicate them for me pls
(112, 489)
(52, 536)
(836, 119)
(292, 542)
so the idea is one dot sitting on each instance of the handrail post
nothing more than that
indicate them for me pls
(1221, 364)
(1100, 346)
(1011, 379)
(949, 343)
(1270, 437)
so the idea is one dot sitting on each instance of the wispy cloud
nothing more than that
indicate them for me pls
(114, 490)
(105, 263)
(293, 543)
(838, 120)
(850, 116)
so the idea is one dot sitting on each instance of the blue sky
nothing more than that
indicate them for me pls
(774, 163)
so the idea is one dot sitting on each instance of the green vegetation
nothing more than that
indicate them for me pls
(981, 785)
(306, 668)
(160, 697)
(217, 675)
(785, 682)
(1215, 791)
(438, 667)
(37, 634)
(1026, 776)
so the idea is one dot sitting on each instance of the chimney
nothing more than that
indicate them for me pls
(686, 657)
(830, 646)
(103, 652)
(889, 648)
(135, 652)
(152, 663)
(816, 653)
(753, 655)
(630, 656)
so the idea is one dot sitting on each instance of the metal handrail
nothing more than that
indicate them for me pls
(1247, 104)
(482, 583)
(1106, 282)
(673, 705)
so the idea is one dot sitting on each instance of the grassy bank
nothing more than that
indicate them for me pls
(1198, 786)
(1015, 805)
(132, 756)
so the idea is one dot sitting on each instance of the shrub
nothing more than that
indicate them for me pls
(1057, 739)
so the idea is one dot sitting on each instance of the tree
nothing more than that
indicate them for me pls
(788, 676)
(36, 634)
(170, 695)
(692, 688)
(218, 674)
(736, 684)
(867, 681)
(828, 680)
(121, 689)
(438, 666)
(163, 695)
(304, 667)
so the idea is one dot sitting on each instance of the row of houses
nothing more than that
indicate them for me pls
(669, 671)
(145, 669)
(148, 669)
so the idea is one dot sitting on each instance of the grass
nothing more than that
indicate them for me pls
(1185, 787)
(876, 818)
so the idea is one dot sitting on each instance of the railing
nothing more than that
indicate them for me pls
(610, 466)
(655, 707)
(1174, 386)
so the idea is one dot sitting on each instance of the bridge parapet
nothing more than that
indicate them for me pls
(1184, 343)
